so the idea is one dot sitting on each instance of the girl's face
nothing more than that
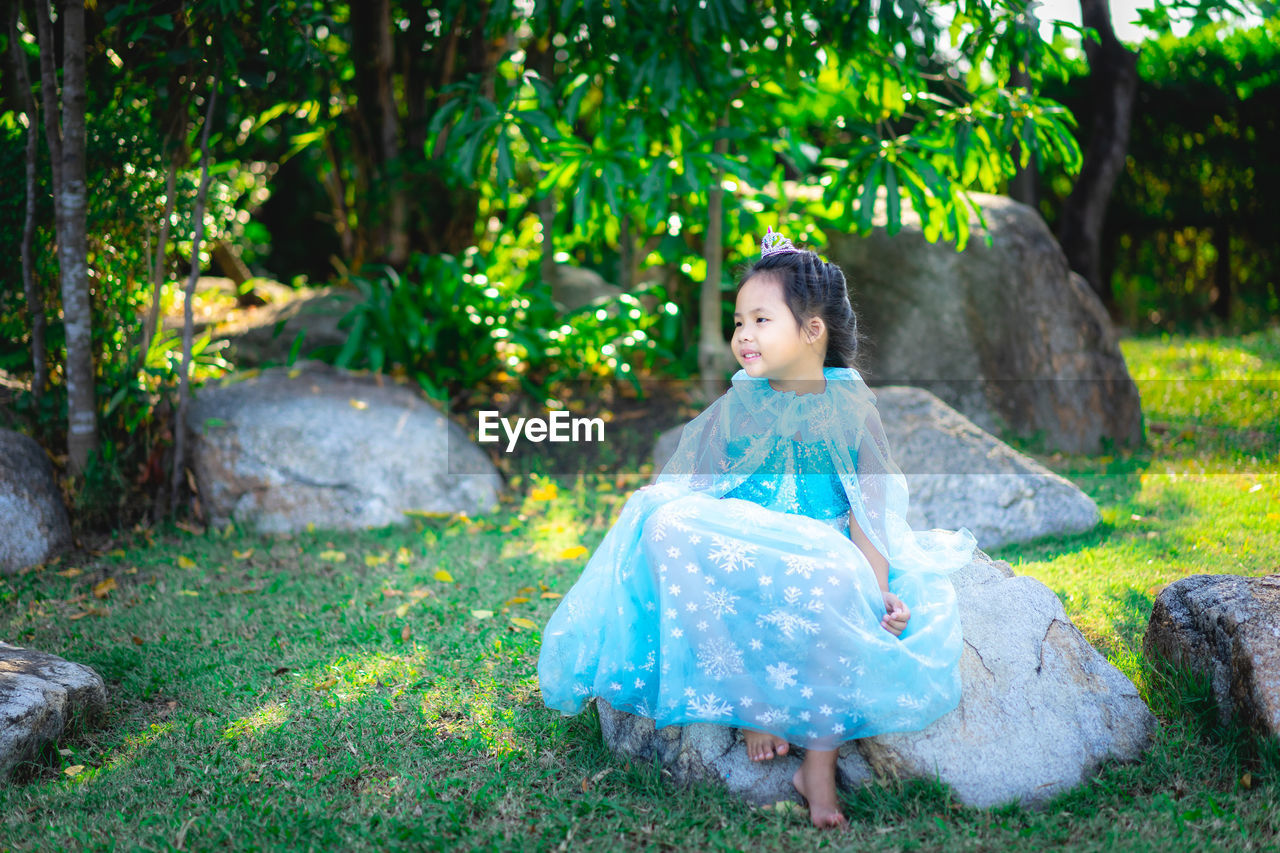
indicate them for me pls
(768, 342)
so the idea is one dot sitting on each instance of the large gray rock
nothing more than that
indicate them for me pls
(266, 334)
(33, 521)
(1226, 627)
(576, 287)
(705, 752)
(1041, 710)
(41, 697)
(1005, 333)
(314, 444)
(959, 475)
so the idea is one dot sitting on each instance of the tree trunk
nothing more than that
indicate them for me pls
(1223, 285)
(373, 51)
(73, 248)
(49, 94)
(1025, 183)
(157, 269)
(188, 320)
(715, 358)
(35, 302)
(1113, 81)
(546, 207)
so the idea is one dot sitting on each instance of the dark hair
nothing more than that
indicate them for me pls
(812, 287)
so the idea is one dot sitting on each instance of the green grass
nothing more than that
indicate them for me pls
(333, 691)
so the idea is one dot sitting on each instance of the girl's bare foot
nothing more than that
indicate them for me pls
(762, 746)
(816, 782)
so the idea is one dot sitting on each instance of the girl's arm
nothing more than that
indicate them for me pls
(896, 611)
(878, 563)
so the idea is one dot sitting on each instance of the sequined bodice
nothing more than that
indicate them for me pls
(798, 477)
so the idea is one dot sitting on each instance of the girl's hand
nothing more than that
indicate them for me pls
(896, 615)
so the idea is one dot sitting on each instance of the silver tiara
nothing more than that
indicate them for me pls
(774, 243)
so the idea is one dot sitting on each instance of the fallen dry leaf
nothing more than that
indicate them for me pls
(117, 552)
(327, 683)
(242, 555)
(548, 492)
(443, 576)
(92, 611)
(74, 770)
(185, 562)
(405, 633)
(519, 599)
(427, 513)
(372, 560)
(573, 552)
(103, 588)
(137, 641)
(403, 609)
(333, 556)
(588, 782)
(482, 614)
(69, 573)
(521, 622)
(552, 595)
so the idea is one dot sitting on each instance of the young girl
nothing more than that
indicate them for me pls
(768, 580)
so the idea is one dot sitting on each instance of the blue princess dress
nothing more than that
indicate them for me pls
(730, 592)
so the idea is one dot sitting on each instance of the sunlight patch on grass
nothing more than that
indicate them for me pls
(268, 717)
(482, 710)
(133, 746)
(351, 679)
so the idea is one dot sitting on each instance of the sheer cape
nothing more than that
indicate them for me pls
(732, 441)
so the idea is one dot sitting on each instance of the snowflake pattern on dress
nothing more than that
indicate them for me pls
(750, 606)
(731, 555)
(719, 658)
(788, 623)
(781, 675)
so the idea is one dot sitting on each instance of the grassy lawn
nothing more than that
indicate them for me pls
(377, 690)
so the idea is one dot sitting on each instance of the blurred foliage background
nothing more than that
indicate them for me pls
(1191, 235)
(543, 193)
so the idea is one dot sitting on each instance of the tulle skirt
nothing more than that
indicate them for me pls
(699, 609)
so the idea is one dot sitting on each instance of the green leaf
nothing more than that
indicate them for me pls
(506, 169)
(353, 343)
(577, 91)
(611, 178)
(867, 198)
(892, 201)
(580, 198)
(653, 181)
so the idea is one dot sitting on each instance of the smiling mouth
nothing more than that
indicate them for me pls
(750, 355)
